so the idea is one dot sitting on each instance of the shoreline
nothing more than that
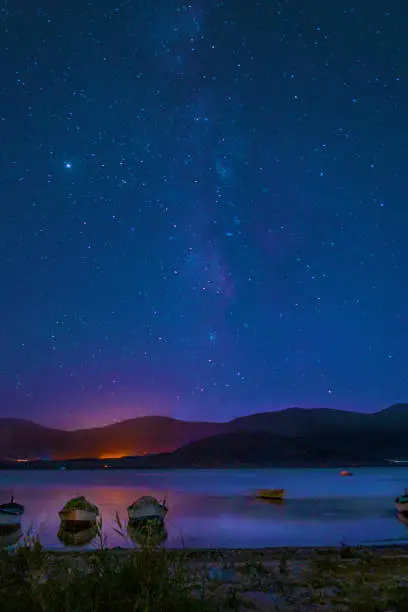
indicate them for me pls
(298, 552)
(78, 465)
(290, 579)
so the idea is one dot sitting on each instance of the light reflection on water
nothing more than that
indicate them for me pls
(216, 508)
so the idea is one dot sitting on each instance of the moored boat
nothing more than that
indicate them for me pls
(147, 508)
(79, 510)
(401, 503)
(273, 494)
(11, 514)
(345, 473)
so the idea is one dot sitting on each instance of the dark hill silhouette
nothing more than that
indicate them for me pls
(301, 421)
(391, 416)
(139, 436)
(21, 438)
(251, 449)
(377, 435)
(24, 439)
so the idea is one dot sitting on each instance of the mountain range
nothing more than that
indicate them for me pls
(295, 436)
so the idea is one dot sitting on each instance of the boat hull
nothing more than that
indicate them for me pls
(147, 508)
(402, 507)
(9, 519)
(272, 494)
(148, 512)
(75, 515)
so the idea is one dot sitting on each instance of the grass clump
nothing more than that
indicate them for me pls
(151, 579)
(145, 580)
(142, 581)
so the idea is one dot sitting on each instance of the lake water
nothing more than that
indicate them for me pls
(216, 508)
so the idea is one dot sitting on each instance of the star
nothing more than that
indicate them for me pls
(219, 220)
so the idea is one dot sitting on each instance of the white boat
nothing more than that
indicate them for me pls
(147, 508)
(79, 510)
(11, 514)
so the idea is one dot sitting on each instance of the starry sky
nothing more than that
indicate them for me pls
(203, 207)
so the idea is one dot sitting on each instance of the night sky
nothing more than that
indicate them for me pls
(203, 207)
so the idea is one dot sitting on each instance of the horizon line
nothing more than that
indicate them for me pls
(164, 416)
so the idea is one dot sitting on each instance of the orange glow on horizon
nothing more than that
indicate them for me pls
(115, 455)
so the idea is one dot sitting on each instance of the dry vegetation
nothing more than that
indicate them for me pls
(151, 579)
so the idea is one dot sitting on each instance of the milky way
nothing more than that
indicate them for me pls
(203, 208)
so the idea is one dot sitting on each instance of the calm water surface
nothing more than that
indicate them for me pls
(216, 508)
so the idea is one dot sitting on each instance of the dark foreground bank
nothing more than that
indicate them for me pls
(154, 580)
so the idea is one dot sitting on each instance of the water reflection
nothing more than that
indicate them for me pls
(10, 537)
(271, 502)
(72, 537)
(153, 534)
(403, 517)
(218, 508)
